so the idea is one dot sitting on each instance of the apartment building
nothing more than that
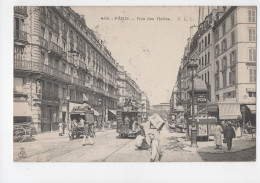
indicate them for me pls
(127, 87)
(59, 63)
(235, 57)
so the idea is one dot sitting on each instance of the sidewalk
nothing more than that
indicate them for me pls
(238, 144)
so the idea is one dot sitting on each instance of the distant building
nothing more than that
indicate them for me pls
(162, 109)
(127, 87)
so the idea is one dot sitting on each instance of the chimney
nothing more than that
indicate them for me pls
(82, 16)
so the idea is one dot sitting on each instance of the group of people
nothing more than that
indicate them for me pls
(154, 145)
(229, 133)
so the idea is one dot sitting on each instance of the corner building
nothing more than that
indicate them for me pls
(59, 63)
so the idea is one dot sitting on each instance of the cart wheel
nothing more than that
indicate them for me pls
(18, 135)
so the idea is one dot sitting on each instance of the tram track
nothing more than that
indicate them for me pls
(50, 155)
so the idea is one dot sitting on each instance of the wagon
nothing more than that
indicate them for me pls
(21, 131)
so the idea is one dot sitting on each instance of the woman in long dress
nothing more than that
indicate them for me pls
(218, 136)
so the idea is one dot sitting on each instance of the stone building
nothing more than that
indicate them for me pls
(59, 63)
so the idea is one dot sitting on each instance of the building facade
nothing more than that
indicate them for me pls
(59, 62)
(127, 87)
(223, 46)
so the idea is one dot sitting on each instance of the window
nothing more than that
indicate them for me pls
(223, 28)
(217, 50)
(232, 58)
(232, 20)
(42, 32)
(252, 54)
(199, 47)
(42, 57)
(208, 77)
(252, 34)
(206, 41)
(217, 34)
(217, 66)
(202, 43)
(251, 16)
(217, 82)
(224, 45)
(205, 77)
(252, 75)
(233, 76)
(224, 74)
(208, 38)
(205, 59)
(231, 94)
(208, 58)
(233, 38)
(202, 61)
(50, 36)
(217, 97)
(199, 62)
(224, 63)
(252, 94)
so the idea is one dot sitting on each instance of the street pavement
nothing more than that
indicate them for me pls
(108, 148)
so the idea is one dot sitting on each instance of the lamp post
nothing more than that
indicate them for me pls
(192, 66)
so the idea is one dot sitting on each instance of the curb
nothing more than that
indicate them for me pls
(223, 152)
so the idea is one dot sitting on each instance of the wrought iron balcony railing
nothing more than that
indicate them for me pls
(55, 48)
(25, 65)
(22, 10)
(43, 42)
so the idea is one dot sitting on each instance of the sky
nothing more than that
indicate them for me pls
(149, 49)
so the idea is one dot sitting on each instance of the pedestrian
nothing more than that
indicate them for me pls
(217, 136)
(87, 129)
(60, 128)
(229, 134)
(141, 142)
(238, 130)
(154, 147)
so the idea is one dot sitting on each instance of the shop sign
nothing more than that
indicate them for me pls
(201, 98)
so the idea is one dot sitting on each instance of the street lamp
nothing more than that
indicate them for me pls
(193, 66)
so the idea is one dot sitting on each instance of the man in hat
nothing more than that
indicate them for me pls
(229, 134)
(156, 149)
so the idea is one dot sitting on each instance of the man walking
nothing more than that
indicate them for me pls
(229, 134)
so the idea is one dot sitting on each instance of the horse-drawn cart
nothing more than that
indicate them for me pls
(21, 131)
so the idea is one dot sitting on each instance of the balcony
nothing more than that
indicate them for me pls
(54, 48)
(22, 10)
(20, 36)
(77, 81)
(25, 65)
(43, 43)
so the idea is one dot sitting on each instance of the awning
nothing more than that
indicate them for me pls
(252, 108)
(212, 108)
(112, 111)
(179, 109)
(95, 112)
(22, 109)
(199, 85)
(85, 98)
(229, 110)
